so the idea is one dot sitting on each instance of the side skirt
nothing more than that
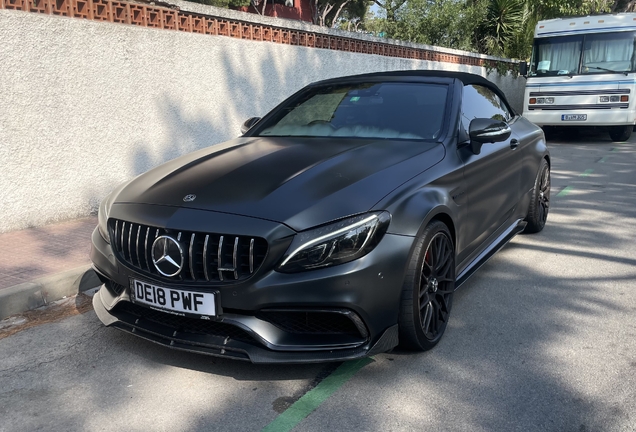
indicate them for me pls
(492, 249)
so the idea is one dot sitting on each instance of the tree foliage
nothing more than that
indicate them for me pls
(546, 9)
(224, 3)
(324, 12)
(448, 23)
(331, 12)
(502, 28)
(390, 8)
(624, 6)
(506, 29)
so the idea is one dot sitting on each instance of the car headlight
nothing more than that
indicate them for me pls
(102, 216)
(336, 243)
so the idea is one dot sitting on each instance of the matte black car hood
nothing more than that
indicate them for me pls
(301, 182)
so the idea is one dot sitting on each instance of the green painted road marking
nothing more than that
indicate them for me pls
(604, 158)
(311, 400)
(566, 190)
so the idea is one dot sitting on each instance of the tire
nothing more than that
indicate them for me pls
(540, 202)
(620, 133)
(427, 293)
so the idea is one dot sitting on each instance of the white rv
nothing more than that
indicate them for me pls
(583, 72)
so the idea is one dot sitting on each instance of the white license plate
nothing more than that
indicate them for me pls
(573, 117)
(174, 300)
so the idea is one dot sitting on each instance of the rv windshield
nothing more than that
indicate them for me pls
(597, 53)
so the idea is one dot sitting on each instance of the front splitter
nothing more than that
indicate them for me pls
(226, 347)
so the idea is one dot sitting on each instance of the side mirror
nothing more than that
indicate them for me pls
(484, 130)
(523, 69)
(247, 125)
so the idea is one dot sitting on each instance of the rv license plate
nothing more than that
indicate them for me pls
(173, 300)
(573, 117)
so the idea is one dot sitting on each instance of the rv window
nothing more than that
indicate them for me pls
(610, 52)
(556, 56)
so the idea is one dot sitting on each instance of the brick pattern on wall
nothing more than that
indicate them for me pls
(146, 15)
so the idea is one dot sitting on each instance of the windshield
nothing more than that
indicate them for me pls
(585, 54)
(366, 110)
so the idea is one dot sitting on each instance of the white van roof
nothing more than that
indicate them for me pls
(588, 24)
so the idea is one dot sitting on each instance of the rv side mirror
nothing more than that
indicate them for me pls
(523, 69)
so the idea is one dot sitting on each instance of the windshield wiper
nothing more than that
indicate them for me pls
(606, 69)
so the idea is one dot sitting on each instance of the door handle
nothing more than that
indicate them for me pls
(514, 143)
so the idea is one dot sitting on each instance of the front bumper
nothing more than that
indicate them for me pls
(367, 291)
(613, 117)
(237, 347)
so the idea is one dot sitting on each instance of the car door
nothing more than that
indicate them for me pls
(492, 177)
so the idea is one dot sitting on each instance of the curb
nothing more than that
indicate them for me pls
(40, 292)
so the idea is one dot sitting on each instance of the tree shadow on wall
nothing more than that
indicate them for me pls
(244, 83)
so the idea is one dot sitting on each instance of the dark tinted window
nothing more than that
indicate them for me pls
(481, 102)
(367, 110)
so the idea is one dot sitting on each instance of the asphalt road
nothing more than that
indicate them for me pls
(542, 338)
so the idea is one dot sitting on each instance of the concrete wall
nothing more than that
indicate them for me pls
(86, 105)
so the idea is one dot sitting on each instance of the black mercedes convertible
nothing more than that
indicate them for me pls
(337, 226)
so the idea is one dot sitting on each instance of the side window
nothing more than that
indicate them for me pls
(504, 106)
(481, 102)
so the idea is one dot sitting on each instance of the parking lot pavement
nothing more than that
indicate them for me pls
(542, 338)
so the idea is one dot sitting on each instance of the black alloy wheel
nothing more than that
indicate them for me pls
(540, 204)
(427, 294)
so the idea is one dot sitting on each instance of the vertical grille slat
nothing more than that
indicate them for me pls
(130, 228)
(146, 250)
(235, 257)
(220, 258)
(116, 234)
(191, 257)
(123, 229)
(205, 257)
(137, 246)
(251, 256)
(234, 260)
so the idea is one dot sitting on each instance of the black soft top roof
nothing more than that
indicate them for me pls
(465, 77)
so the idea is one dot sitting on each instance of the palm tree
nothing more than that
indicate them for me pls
(504, 28)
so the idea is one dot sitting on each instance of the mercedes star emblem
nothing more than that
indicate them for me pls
(167, 256)
(189, 197)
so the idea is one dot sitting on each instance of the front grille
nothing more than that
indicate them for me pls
(315, 322)
(207, 257)
(185, 324)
